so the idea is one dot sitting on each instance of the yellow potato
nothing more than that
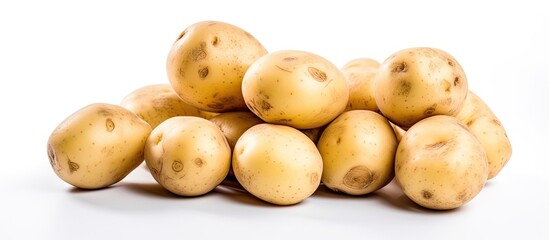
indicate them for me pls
(277, 164)
(295, 88)
(207, 62)
(358, 150)
(233, 124)
(156, 103)
(484, 124)
(399, 132)
(360, 75)
(97, 146)
(416, 83)
(188, 156)
(439, 164)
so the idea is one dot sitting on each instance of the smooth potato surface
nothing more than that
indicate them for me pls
(360, 75)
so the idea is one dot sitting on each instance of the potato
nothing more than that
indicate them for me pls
(399, 132)
(234, 124)
(416, 83)
(358, 150)
(97, 146)
(277, 164)
(484, 124)
(295, 88)
(156, 103)
(440, 164)
(187, 155)
(360, 75)
(207, 62)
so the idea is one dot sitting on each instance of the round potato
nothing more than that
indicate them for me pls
(156, 103)
(358, 150)
(416, 83)
(234, 124)
(439, 164)
(360, 75)
(188, 156)
(485, 125)
(97, 146)
(277, 164)
(207, 62)
(295, 88)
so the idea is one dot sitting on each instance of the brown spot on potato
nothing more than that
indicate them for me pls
(447, 86)
(437, 145)
(199, 53)
(51, 156)
(73, 167)
(404, 88)
(496, 122)
(181, 35)
(317, 74)
(283, 120)
(203, 72)
(430, 110)
(470, 122)
(457, 81)
(215, 41)
(450, 62)
(338, 140)
(314, 178)
(283, 69)
(104, 112)
(177, 166)
(199, 162)
(289, 59)
(359, 177)
(109, 124)
(462, 196)
(220, 103)
(400, 67)
(426, 194)
(266, 106)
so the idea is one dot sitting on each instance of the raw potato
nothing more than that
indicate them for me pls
(277, 164)
(399, 132)
(97, 146)
(360, 75)
(416, 83)
(484, 124)
(358, 150)
(295, 88)
(156, 103)
(188, 156)
(207, 62)
(234, 124)
(439, 164)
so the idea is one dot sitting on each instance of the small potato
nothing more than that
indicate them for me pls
(97, 146)
(358, 150)
(156, 103)
(277, 164)
(360, 75)
(399, 132)
(295, 88)
(207, 62)
(234, 124)
(439, 164)
(416, 83)
(484, 124)
(188, 156)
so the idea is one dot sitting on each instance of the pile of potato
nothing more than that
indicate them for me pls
(281, 123)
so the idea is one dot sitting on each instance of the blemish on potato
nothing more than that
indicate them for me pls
(314, 178)
(73, 167)
(109, 124)
(447, 86)
(496, 122)
(457, 81)
(317, 74)
(203, 72)
(289, 59)
(404, 88)
(199, 162)
(266, 106)
(177, 166)
(181, 35)
(437, 145)
(283, 69)
(430, 110)
(450, 62)
(198, 54)
(215, 41)
(400, 67)
(426, 194)
(359, 177)
(338, 140)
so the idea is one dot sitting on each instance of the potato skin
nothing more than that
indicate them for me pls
(187, 155)
(485, 125)
(295, 88)
(277, 164)
(206, 64)
(97, 146)
(360, 75)
(358, 150)
(156, 103)
(234, 124)
(439, 164)
(416, 83)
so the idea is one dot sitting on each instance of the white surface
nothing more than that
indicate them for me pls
(58, 56)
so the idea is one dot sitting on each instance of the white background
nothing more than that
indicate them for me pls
(58, 56)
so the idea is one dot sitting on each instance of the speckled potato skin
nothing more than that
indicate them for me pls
(416, 83)
(277, 164)
(206, 64)
(97, 146)
(156, 103)
(234, 124)
(295, 88)
(188, 156)
(360, 75)
(439, 164)
(358, 150)
(485, 125)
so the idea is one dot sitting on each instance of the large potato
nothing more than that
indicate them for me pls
(97, 146)
(360, 75)
(207, 62)
(484, 124)
(156, 103)
(416, 83)
(188, 156)
(358, 150)
(277, 164)
(439, 164)
(295, 88)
